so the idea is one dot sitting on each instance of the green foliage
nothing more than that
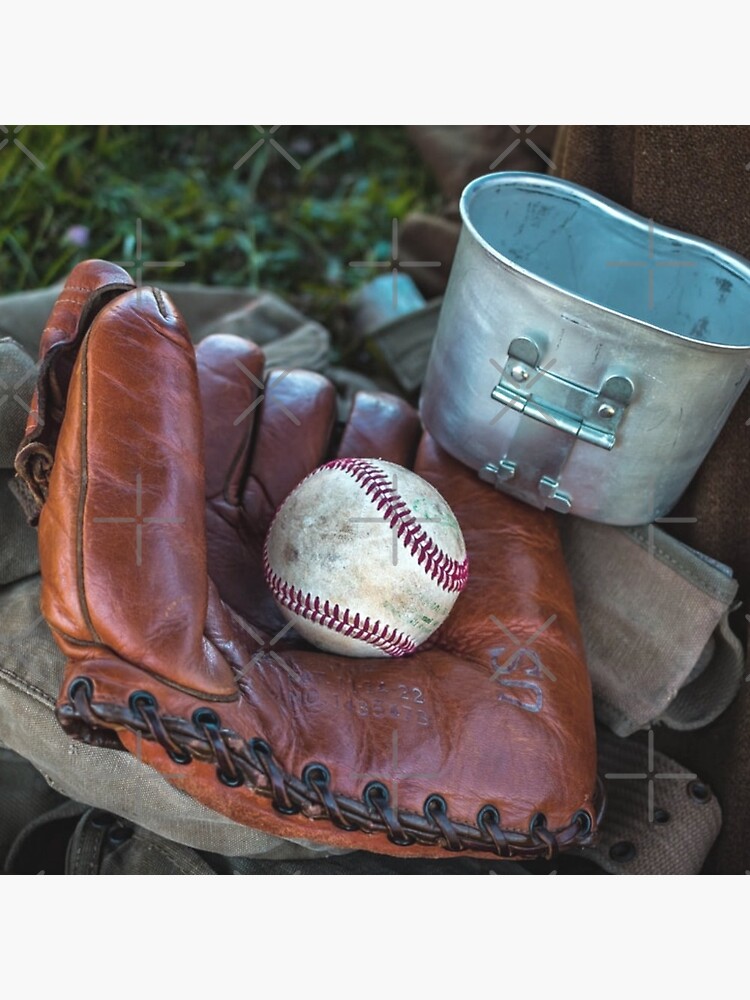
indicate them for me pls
(264, 224)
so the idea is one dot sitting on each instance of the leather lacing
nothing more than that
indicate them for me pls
(251, 762)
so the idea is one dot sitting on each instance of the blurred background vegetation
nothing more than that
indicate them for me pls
(261, 223)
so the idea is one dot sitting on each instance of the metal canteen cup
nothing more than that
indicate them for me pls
(585, 358)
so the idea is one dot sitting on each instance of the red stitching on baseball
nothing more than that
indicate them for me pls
(448, 573)
(345, 622)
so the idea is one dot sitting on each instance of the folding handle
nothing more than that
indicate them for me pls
(589, 414)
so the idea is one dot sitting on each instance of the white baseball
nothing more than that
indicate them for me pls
(365, 558)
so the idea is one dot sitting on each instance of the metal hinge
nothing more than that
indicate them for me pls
(588, 414)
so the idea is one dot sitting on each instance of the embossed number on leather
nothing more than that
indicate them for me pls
(370, 700)
(510, 674)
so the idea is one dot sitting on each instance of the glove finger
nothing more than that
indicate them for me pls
(230, 375)
(89, 288)
(260, 442)
(381, 426)
(293, 424)
(516, 625)
(519, 588)
(122, 535)
(293, 435)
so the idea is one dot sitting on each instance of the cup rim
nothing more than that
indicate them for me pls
(544, 182)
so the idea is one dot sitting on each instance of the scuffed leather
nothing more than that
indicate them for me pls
(90, 286)
(492, 712)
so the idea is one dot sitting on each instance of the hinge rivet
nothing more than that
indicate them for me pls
(518, 373)
(606, 412)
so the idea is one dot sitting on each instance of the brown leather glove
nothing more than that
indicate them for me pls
(483, 741)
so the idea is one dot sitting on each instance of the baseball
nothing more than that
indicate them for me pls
(365, 558)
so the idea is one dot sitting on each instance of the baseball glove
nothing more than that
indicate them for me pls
(154, 510)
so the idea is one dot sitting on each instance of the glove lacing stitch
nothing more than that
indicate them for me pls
(253, 763)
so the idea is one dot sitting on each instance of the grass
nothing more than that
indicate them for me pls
(264, 225)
